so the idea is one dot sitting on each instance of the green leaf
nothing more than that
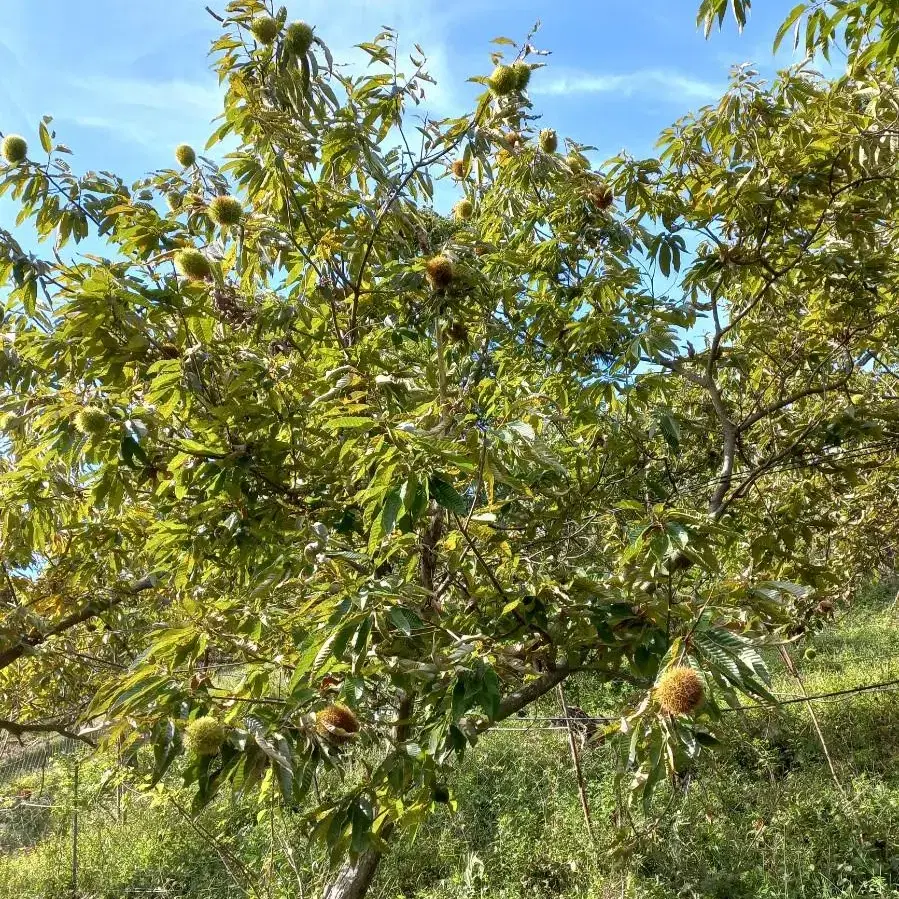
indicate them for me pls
(278, 750)
(400, 618)
(670, 430)
(444, 494)
(361, 817)
(131, 450)
(510, 606)
(788, 23)
(165, 749)
(414, 495)
(320, 658)
(664, 258)
(706, 739)
(46, 140)
(491, 693)
(655, 772)
(350, 423)
(383, 525)
(644, 661)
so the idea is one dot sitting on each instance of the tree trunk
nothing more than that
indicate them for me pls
(355, 875)
(354, 878)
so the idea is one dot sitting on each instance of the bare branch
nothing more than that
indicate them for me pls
(12, 653)
(525, 695)
(782, 403)
(17, 729)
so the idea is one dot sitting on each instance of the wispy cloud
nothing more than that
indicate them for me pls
(123, 130)
(181, 97)
(143, 111)
(658, 84)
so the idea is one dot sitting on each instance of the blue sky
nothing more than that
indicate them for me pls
(126, 81)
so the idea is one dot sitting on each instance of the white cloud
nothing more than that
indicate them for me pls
(132, 95)
(143, 111)
(129, 131)
(181, 97)
(657, 84)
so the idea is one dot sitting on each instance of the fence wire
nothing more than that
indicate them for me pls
(41, 792)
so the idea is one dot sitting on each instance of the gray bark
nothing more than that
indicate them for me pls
(354, 878)
(27, 642)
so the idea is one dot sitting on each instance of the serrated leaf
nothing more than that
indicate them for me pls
(350, 423)
(791, 20)
(444, 494)
(385, 522)
(46, 140)
(706, 739)
(400, 618)
(670, 430)
(278, 750)
(322, 655)
(165, 749)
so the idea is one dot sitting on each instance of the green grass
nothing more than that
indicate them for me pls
(761, 817)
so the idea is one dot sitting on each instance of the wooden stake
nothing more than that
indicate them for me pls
(788, 661)
(576, 761)
(75, 832)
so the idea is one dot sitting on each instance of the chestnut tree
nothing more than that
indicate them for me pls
(405, 469)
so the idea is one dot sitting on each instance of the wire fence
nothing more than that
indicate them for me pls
(42, 789)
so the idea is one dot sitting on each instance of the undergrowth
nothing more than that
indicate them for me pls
(763, 816)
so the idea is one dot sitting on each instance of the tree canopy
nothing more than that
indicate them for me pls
(309, 474)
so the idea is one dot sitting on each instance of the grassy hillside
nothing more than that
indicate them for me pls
(761, 817)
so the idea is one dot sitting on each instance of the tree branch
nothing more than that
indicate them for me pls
(525, 695)
(770, 409)
(12, 653)
(725, 476)
(760, 470)
(50, 727)
(394, 195)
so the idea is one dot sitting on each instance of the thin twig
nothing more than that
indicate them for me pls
(219, 849)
